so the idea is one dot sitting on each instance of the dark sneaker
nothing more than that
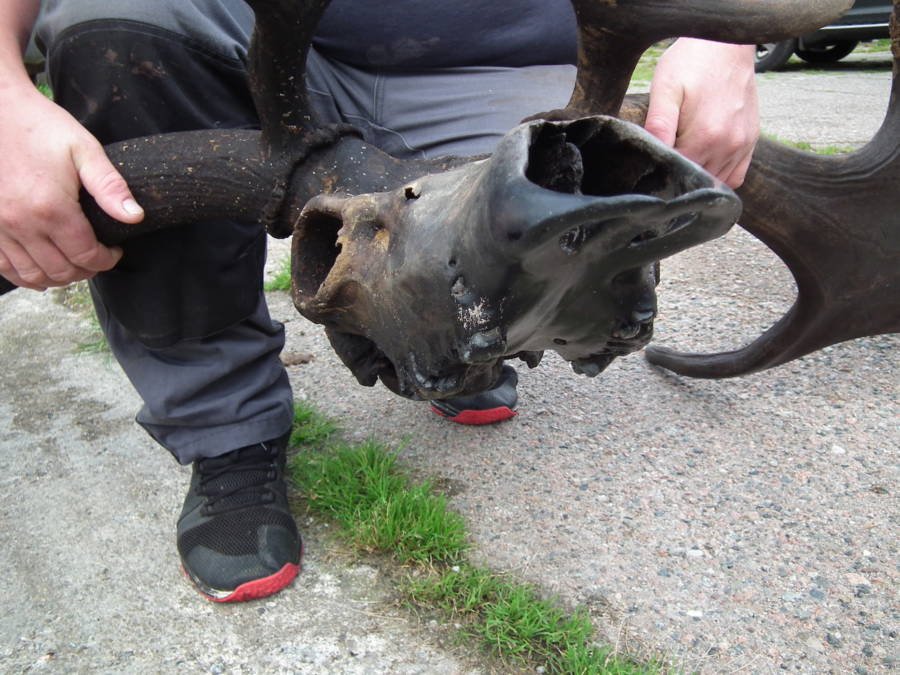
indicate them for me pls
(236, 536)
(494, 405)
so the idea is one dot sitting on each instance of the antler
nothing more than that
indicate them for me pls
(834, 221)
(578, 212)
(613, 35)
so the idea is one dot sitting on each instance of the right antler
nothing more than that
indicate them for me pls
(835, 222)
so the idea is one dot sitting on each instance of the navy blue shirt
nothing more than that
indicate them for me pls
(413, 34)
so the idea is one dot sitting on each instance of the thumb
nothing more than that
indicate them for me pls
(105, 184)
(664, 111)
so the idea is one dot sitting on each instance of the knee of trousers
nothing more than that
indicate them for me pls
(123, 78)
(222, 26)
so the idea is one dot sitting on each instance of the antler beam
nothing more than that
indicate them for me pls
(834, 221)
(613, 35)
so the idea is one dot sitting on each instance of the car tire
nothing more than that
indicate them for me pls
(827, 53)
(773, 55)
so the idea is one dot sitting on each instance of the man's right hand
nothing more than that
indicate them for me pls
(45, 157)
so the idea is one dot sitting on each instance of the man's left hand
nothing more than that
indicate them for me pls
(703, 102)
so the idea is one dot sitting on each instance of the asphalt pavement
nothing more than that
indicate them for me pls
(740, 525)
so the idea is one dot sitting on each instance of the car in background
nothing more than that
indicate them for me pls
(866, 20)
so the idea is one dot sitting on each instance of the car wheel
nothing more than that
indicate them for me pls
(829, 53)
(773, 55)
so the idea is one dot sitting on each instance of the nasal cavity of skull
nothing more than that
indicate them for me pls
(554, 163)
(615, 166)
(595, 161)
(316, 249)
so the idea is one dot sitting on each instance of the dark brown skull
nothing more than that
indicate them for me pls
(551, 243)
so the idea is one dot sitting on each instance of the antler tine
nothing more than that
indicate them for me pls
(281, 39)
(834, 222)
(613, 35)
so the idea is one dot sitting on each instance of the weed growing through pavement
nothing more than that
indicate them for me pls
(379, 509)
(311, 430)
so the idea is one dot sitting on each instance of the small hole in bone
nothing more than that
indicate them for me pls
(573, 240)
(452, 262)
(560, 342)
(459, 289)
(411, 192)
(643, 236)
(681, 221)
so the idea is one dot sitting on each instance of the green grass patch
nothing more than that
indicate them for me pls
(95, 342)
(511, 620)
(874, 46)
(311, 430)
(379, 509)
(643, 72)
(817, 149)
(282, 279)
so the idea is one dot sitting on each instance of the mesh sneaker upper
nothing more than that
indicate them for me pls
(236, 526)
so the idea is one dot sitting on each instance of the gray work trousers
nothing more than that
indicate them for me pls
(184, 311)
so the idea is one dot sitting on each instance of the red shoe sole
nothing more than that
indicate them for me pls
(478, 417)
(253, 590)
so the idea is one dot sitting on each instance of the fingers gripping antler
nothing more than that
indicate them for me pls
(835, 221)
(243, 175)
(613, 35)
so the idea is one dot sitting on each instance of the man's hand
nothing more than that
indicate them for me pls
(45, 157)
(703, 103)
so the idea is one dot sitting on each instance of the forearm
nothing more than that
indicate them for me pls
(17, 18)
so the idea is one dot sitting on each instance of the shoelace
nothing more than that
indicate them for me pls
(247, 489)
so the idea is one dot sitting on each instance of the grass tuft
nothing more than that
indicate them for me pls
(379, 509)
(77, 298)
(875, 46)
(643, 72)
(512, 621)
(282, 279)
(311, 429)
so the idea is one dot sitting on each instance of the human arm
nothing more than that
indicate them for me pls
(46, 156)
(703, 102)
